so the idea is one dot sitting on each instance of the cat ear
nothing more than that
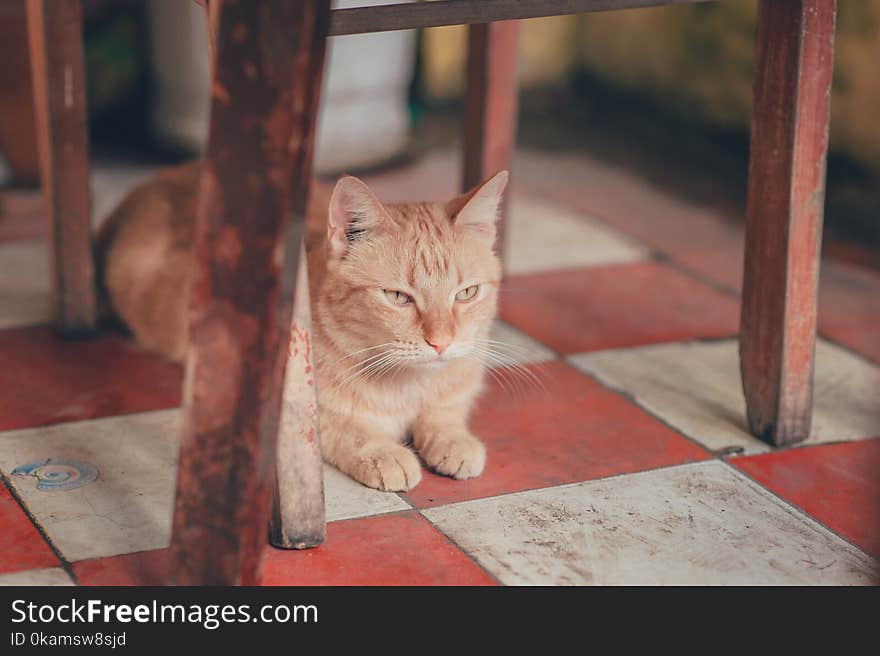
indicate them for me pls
(354, 210)
(477, 210)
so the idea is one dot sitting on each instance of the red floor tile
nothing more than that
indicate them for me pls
(629, 202)
(397, 549)
(436, 176)
(849, 307)
(838, 484)
(849, 294)
(141, 568)
(614, 307)
(21, 545)
(48, 380)
(721, 265)
(574, 430)
(847, 252)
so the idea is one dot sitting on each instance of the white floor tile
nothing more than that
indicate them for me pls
(24, 284)
(37, 577)
(345, 498)
(696, 388)
(128, 507)
(543, 236)
(690, 525)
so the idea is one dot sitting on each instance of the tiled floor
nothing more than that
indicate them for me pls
(619, 455)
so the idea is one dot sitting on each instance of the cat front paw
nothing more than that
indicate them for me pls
(388, 467)
(460, 455)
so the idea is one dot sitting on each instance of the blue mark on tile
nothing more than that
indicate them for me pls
(58, 475)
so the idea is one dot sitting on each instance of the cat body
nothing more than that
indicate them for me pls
(402, 300)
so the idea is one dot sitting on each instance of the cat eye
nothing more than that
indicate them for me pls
(398, 298)
(468, 293)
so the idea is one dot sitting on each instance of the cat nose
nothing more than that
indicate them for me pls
(439, 345)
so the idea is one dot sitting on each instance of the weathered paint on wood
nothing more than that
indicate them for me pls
(298, 513)
(358, 20)
(56, 50)
(249, 231)
(784, 218)
(298, 519)
(491, 103)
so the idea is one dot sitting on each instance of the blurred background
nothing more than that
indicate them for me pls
(665, 93)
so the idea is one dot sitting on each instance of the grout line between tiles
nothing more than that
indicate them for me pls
(716, 455)
(634, 401)
(418, 512)
(786, 505)
(706, 340)
(798, 511)
(849, 349)
(65, 564)
(622, 393)
(381, 513)
(567, 485)
(798, 446)
(656, 254)
(103, 418)
(669, 259)
(455, 544)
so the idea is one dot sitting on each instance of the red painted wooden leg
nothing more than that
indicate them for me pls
(248, 236)
(784, 225)
(56, 49)
(491, 102)
(298, 517)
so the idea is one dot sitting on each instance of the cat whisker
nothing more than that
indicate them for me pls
(510, 366)
(386, 369)
(365, 361)
(513, 382)
(499, 378)
(377, 369)
(515, 350)
(517, 383)
(366, 366)
(516, 353)
(354, 353)
(511, 351)
(492, 372)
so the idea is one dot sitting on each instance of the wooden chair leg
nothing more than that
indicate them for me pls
(491, 103)
(257, 167)
(784, 220)
(18, 128)
(298, 513)
(56, 50)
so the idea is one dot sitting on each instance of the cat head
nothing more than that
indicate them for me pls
(415, 284)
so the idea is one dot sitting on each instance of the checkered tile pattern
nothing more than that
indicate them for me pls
(619, 454)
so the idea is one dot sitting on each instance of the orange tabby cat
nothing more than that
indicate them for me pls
(403, 297)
